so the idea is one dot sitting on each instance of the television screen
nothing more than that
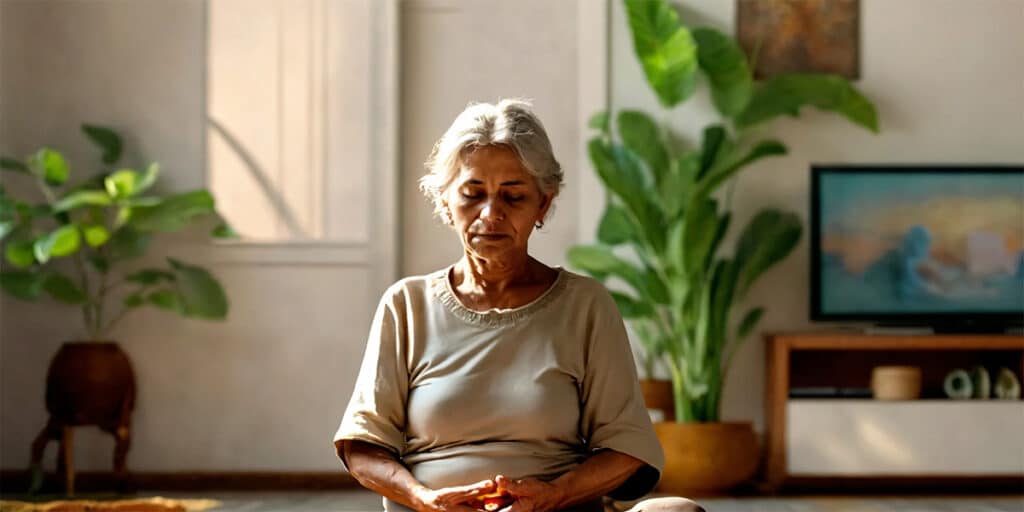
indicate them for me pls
(923, 245)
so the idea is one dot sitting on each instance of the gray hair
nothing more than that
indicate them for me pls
(510, 122)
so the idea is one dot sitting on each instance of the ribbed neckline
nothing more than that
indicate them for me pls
(496, 317)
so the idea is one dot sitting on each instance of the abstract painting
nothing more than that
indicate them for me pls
(786, 36)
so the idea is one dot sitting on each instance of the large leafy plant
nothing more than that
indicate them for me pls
(96, 227)
(664, 201)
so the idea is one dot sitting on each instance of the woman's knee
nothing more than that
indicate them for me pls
(667, 505)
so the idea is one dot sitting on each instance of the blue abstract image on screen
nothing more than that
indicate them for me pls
(922, 242)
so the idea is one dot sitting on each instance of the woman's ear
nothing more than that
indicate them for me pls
(545, 204)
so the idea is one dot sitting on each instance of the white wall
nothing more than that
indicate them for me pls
(947, 77)
(455, 52)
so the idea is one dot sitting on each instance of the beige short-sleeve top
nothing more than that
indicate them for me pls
(461, 396)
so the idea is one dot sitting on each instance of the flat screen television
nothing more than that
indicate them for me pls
(929, 246)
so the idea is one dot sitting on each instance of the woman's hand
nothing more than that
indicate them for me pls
(531, 495)
(452, 499)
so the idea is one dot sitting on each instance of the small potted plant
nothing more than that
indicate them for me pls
(78, 245)
(666, 208)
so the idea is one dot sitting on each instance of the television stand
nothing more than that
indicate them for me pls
(845, 439)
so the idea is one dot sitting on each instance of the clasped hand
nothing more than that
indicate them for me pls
(530, 495)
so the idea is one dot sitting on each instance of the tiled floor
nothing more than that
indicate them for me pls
(364, 501)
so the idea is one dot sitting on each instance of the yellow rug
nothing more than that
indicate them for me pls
(140, 505)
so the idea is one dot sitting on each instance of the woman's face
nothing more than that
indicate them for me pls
(494, 202)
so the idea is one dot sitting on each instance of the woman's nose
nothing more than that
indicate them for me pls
(491, 210)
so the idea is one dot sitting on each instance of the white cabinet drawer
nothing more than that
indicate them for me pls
(921, 437)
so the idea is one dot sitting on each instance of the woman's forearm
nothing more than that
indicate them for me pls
(596, 477)
(378, 470)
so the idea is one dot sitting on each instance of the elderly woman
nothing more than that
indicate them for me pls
(499, 377)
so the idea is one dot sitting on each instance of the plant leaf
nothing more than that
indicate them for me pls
(700, 226)
(224, 231)
(620, 172)
(615, 227)
(600, 261)
(728, 166)
(166, 299)
(769, 237)
(21, 284)
(665, 48)
(82, 198)
(10, 164)
(122, 184)
(594, 258)
(96, 181)
(61, 287)
(101, 264)
(128, 243)
(134, 300)
(675, 188)
(95, 235)
(654, 287)
(599, 121)
(787, 93)
(108, 140)
(124, 214)
(143, 201)
(630, 307)
(19, 253)
(725, 64)
(748, 323)
(201, 295)
(50, 165)
(712, 145)
(150, 276)
(148, 178)
(63, 241)
(726, 271)
(174, 213)
(640, 134)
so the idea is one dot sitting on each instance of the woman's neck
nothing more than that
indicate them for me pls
(491, 278)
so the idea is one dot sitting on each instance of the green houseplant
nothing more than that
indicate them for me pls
(665, 204)
(72, 246)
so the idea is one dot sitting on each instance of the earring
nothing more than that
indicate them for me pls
(539, 224)
(448, 218)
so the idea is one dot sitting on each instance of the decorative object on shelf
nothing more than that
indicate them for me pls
(958, 385)
(1007, 386)
(74, 246)
(800, 36)
(981, 382)
(896, 382)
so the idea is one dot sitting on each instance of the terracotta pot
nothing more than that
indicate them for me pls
(706, 459)
(90, 383)
(658, 395)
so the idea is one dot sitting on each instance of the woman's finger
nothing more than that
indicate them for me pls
(455, 494)
(515, 487)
